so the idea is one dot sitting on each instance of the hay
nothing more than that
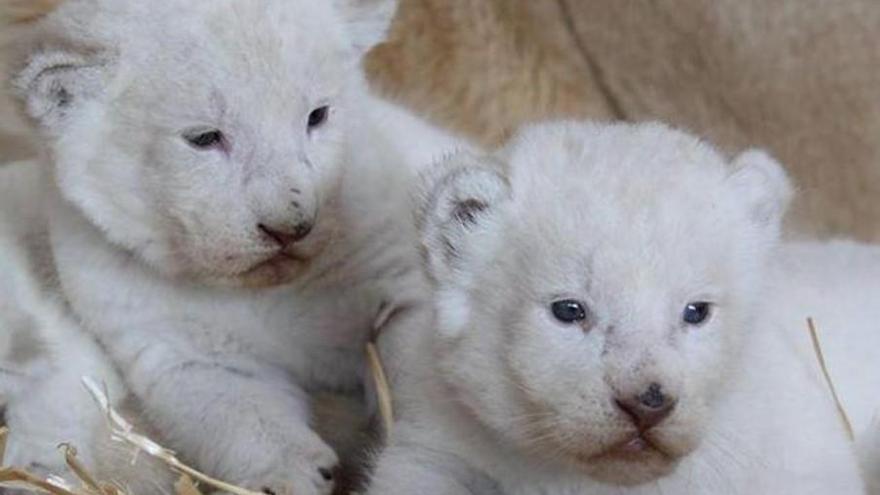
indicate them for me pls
(820, 356)
(383, 390)
(185, 486)
(122, 431)
(377, 369)
(17, 478)
(88, 484)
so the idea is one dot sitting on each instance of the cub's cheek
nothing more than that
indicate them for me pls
(683, 432)
(196, 256)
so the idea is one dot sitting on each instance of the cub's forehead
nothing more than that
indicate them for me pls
(266, 38)
(623, 197)
(646, 171)
(651, 159)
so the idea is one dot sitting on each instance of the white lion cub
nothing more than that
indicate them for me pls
(227, 211)
(600, 328)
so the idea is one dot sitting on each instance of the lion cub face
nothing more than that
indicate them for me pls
(592, 299)
(204, 136)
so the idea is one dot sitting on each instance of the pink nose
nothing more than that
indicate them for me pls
(649, 408)
(286, 236)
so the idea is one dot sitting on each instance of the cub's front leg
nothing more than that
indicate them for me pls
(405, 469)
(240, 421)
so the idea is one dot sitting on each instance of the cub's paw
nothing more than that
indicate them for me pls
(307, 467)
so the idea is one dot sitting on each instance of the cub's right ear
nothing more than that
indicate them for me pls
(55, 84)
(461, 196)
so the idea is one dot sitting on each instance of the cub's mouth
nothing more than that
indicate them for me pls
(285, 263)
(282, 257)
(276, 269)
(634, 460)
(636, 447)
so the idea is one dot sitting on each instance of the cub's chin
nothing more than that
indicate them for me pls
(270, 271)
(630, 465)
(278, 270)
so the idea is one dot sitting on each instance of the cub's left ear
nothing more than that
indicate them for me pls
(367, 21)
(764, 187)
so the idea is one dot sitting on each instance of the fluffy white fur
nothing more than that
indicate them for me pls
(172, 255)
(43, 353)
(496, 395)
(838, 285)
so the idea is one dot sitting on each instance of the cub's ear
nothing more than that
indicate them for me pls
(367, 21)
(460, 197)
(764, 187)
(55, 84)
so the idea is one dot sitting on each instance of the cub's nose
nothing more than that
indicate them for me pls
(287, 235)
(649, 408)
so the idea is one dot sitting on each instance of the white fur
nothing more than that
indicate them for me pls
(869, 449)
(838, 285)
(157, 244)
(495, 395)
(43, 352)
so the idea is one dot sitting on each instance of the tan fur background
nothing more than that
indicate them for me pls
(800, 77)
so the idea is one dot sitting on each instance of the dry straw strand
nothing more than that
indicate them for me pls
(186, 486)
(123, 431)
(91, 484)
(4, 432)
(78, 469)
(820, 356)
(21, 479)
(387, 313)
(383, 390)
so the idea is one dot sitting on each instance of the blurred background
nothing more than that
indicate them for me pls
(798, 77)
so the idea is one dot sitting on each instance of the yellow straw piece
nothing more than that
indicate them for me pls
(817, 347)
(383, 390)
(186, 486)
(4, 432)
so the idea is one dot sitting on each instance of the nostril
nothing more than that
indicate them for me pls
(326, 473)
(302, 230)
(653, 398)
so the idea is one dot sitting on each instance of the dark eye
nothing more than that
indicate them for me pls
(696, 313)
(318, 117)
(205, 140)
(569, 311)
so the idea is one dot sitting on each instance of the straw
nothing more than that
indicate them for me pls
(377, 369)
(123, 431)
(817, 347)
